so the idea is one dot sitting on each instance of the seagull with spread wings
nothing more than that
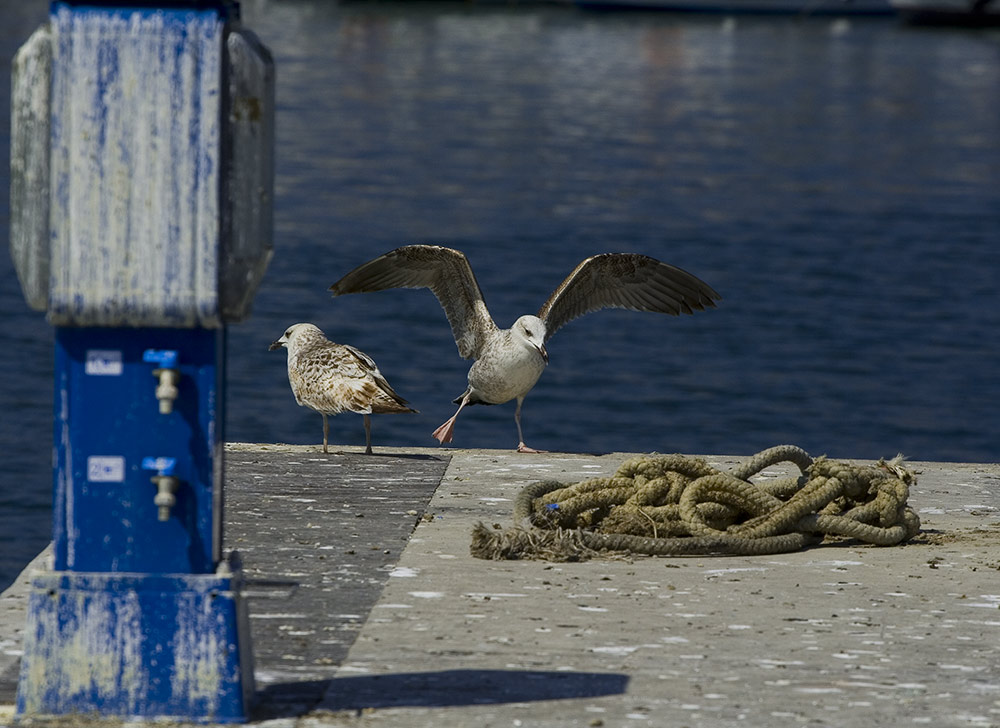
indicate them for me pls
(508, 362)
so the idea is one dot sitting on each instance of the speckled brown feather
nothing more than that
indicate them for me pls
(331, 378)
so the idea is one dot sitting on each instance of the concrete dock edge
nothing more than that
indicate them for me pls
(367, 608)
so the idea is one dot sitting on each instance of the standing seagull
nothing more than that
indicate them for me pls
(509, 361)
(331, 378)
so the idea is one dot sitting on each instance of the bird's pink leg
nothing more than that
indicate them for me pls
(444, 433)
(521, 447)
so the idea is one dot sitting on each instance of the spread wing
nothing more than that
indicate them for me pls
(625, 280)
(449, 276)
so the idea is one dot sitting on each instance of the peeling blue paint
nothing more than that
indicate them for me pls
(127, 208)
(136, 109)
(171, 647)
(142, 222)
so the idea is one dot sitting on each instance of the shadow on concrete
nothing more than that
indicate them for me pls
(444, 457)
(288, 699)
(467, 687)
(442, 689)
(8, 683)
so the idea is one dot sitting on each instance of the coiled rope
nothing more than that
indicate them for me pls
(670, 505)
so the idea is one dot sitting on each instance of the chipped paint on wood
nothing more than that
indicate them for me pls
(136, 110)
(83, 643)
(197, 649)
(29, 166)
(136, 646)
(142, 168)
(142, 185)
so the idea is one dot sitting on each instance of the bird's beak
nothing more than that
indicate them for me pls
(544, 353)
(274, 345)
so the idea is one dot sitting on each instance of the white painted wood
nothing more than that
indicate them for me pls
(142, 167)
(136, 163)
(29, 166)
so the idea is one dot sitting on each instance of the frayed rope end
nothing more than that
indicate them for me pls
(520, 543)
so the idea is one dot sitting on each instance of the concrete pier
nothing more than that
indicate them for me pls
(367, 609)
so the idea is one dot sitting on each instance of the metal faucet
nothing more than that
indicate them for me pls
(166, 483)
(168, 375)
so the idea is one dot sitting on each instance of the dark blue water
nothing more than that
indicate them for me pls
(838, 182)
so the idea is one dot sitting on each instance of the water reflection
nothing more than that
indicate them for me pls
(838, 182)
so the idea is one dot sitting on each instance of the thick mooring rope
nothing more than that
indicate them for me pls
(670, 505)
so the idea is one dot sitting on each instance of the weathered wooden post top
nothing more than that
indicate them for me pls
(142, 167)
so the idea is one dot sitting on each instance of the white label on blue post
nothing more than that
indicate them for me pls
(103, 362)
(106, 469)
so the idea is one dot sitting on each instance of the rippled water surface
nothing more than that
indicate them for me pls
(838, 182)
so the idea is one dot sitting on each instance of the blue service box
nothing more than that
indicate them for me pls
(141, 181)
(110, 472)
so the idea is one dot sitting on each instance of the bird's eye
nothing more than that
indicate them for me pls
(288, 333)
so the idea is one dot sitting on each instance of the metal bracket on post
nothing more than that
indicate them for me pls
(141, 182)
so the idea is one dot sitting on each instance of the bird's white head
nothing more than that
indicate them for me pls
(295, 335)
(530, 331)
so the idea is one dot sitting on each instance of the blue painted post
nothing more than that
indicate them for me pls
(142, 166)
